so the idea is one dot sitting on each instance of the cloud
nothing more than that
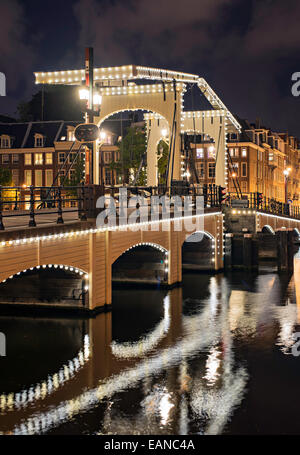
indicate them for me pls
(274, 27)
(16, 55)
(140, 29)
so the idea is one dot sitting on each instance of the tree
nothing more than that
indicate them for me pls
(54, 102)
(7, 195)
(5, 177)
(77, 177)
(162, 162)
(133, 150)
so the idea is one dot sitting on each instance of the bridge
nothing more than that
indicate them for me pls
(144, 248)
(96, 253)
(58, 232)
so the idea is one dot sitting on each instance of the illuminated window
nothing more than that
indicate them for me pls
(234, 152)
(28, 178)
(39, 178)
(49, 177)
(199, 153)
(235, 169)
(244, 152)
(38, 159)
(49, 158)
(28, 159)
(271, 156)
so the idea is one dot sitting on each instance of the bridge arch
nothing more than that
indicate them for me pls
(199, 251)
(267, 229)
(46, 291)
(153, 134)
(142, 262)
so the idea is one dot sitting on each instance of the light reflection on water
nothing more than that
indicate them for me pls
(211, 357)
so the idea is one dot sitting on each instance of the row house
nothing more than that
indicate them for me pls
(259, 160)
(34, 152)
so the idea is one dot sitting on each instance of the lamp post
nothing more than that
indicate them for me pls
(84, 95)
(286, 173)
(93, 101)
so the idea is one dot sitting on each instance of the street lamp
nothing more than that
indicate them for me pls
(286, 173)
(164, 132)
(84, 93)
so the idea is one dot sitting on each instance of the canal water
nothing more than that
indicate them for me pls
(214, 356)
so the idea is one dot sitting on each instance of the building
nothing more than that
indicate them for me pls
(259, 160)
(36, 151)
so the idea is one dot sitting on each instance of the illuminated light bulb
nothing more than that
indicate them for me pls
(103, 135)
(84, 94)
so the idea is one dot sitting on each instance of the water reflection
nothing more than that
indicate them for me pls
(192, 367)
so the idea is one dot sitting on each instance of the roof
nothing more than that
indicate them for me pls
(23, 134)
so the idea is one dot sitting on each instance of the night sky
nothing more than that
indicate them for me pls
(246, 49)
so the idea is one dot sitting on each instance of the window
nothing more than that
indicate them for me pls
(271, 156)
(28, 178)
(61, 158)
(38, 159)
(72, 174)
(5, 159)
(107, 157)
(39, 178)
(15, 158)
(200, 170)
(244, 169)
(244, 152)
(234, 152)
(211, 153)
(235, 169)
(107, 176)
(71, 136)
(199, 153)
(15, 177)
(49, 177)
(72, 157)
(28, 159)
(5, 142)
(244, 186)
(211, 170)
(61, 177)
(49, 158)
(117, 156)
(39, 141)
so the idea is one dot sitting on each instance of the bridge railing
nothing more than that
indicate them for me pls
(254, 201)
(211, 193)
(33, 201)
